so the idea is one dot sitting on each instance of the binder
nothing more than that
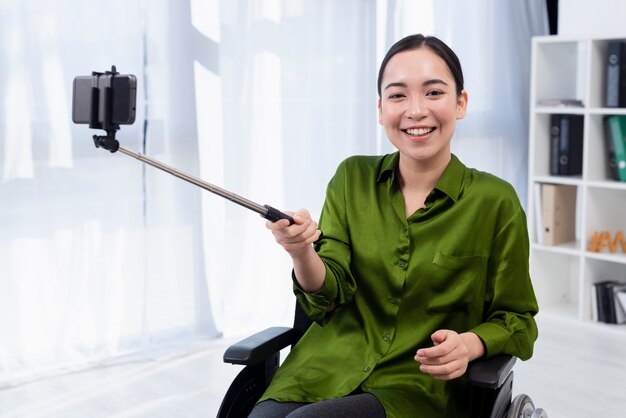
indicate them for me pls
(616, 74)
(610, 151)
(566, 145)
(617, 134)
(605, 300)
(558, 203)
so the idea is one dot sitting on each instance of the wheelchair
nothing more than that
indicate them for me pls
(491, 380)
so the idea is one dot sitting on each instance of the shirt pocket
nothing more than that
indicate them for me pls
(455, 283)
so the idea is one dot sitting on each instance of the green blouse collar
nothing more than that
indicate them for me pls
(451, 180)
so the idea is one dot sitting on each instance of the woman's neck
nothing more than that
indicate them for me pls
(421, 176)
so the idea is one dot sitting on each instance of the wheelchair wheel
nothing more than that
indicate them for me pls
(539, 413)
(521, 407)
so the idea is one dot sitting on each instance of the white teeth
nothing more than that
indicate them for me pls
(419, 131)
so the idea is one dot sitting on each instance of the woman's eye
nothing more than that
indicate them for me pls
(434, 93)
(396, 96)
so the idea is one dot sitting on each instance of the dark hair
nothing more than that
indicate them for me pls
(436, 45)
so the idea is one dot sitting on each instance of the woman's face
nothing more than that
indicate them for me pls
(419, 106)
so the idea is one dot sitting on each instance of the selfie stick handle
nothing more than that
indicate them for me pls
(266, 211)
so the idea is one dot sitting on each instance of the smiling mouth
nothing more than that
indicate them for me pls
(418, 131)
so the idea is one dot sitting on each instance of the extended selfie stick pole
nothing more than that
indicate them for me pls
(265, 211)
(109, 142)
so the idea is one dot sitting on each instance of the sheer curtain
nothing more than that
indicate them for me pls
(103, 258)
(100, 258)
(296, 96)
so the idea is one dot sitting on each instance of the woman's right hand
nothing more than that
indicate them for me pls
(295, 238)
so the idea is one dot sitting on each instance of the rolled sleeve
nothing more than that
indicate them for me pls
(317, 304)
(510, 327)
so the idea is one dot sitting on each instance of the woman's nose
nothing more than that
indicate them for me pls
(416, 108)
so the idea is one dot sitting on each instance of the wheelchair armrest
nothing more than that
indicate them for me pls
(260, 346)
(491, 372)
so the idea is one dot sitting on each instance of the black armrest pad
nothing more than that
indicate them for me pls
(490, 372)
(260, 346)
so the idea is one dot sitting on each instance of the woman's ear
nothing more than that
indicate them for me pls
(461, 104)
(380, 113)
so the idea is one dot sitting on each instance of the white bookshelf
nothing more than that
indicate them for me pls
(563, 275)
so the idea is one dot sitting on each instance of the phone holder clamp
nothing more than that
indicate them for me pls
(107, 141)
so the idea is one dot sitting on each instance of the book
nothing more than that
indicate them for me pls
(616, 74)
(616, 131)
(566, 145)
(620, 303)
(605, 301)
(610, 151)
(558, 204)
(594, 304)
(538, 214)
(560, 102)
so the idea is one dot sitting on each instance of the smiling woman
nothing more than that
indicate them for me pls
(421, 97)
(418, 109)
(439, 279)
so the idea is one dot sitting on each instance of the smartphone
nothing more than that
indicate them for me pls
(124, 97)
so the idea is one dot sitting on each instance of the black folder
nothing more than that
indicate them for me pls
(566, 145)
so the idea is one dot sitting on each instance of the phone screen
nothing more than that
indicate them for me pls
(81, 99)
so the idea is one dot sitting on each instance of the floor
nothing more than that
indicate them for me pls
(578, 371)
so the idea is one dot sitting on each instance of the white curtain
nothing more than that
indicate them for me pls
(100, 258)
(103, 258)
(296, 94)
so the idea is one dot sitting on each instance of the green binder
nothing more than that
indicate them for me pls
(617, 132)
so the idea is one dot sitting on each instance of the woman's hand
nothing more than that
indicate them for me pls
(298, 237)
(451, 354)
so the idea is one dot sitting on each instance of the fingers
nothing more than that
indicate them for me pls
(447, 359)
(446, 371)
(297, 236)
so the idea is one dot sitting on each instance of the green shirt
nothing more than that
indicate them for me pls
(459, 263)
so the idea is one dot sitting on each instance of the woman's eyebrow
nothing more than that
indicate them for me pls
(396, 84)
(424, 84)
(434, 81)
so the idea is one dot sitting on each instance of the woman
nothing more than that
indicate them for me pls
(423, 266)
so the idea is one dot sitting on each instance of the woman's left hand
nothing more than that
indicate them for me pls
(449, 357)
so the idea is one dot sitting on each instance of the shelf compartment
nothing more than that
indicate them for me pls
(596, 156)
(562, 75)
(597, 271)
(555, 277)
(541, 151)
(597, 88)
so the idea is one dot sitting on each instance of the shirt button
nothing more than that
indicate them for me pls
(402, 263)
(366, 369)
(393, 301)
(386, 337)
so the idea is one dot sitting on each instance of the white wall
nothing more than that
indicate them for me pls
(597, 18)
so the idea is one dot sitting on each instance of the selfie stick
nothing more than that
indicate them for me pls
(265, 211)
(109, 142)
